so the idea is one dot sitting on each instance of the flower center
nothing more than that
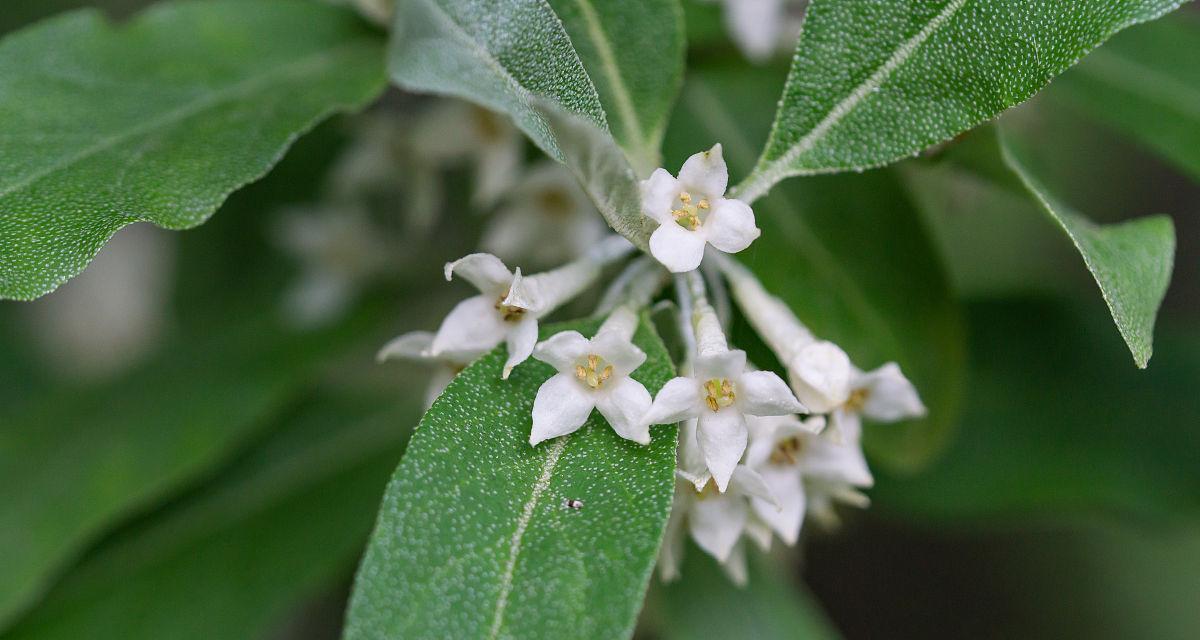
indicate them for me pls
(688, 214)
(718, 393)
(858, 399)
(787, 451)
(556, 203)
(594, 371)
(510, 313)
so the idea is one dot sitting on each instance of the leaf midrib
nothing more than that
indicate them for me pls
(303, 66)
(770, 172)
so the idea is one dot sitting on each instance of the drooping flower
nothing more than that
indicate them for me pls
(719, 394)
(808, 473)
(716, 520)
(415, 346)
(509, 304)
(881, 395)
(592, 374)
(692, 212)
(545, 219)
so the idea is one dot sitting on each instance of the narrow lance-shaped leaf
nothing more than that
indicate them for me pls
(1131, 261)
(876, 81)
(634, 54)
(501, 54)
(1146, 83)
(158, 120)
(475, 538)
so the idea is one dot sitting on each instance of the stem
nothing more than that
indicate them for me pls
(709, 336)
(635, 286)
(771, 318)
(557, 286)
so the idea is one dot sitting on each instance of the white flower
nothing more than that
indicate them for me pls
(762, 28)
(379, 11)
(415, 346)
(592, 374)
(882, 395)
(715, 520)
(339, 251)
(803, 471)
(719, 394)
(692, 212)
(509, 304)
(545, 219)
(455, 132)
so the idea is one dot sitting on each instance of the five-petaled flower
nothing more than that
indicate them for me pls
(691, 211)
(719, 394)
(592, 374)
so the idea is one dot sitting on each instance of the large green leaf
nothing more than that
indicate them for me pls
(500, 53)
(79, 459)
(474, 538)
(235, 557)
(634, 54)
(848, 255)
(1145, 82)
(703, 603)
(1056, 422)
(873, 82)
(157, 120)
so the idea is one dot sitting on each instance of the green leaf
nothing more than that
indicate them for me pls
(874, 82)
(157, 120)
(1145, 83)
(849, 256)
(634, 54)
(474, 538)
(1131, 261)
(235, 557)
(1056, 422)
(703, 603)
(499, 53)
(84, 458)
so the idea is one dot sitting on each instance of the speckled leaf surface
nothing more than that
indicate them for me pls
(874, 81)
(1131, 261)
(633, 52)
(1145, 83)
(498, 53)
(157, 120)
(474, 538)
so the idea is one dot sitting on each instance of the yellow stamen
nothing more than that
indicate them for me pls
(719, 394)
(510, 313)
(857, 400)
(787, 452)
(595, 372)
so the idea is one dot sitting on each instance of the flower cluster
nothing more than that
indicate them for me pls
(757, 453)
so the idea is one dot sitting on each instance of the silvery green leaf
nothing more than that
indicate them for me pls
(477, 537)
(875, 81)
(633, 52)
(159, 119)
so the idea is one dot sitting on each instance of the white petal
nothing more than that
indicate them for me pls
(763, 393)
(722, 437)
(716, 523)
(671, 554)
(438, 381)
(786, 518)
(678, 249)
(679, 399)
(767, 432)
(844, 426)
(691, 459)
(759, 532)
(820, 375)
(562, 405)
(526, 293)
(622, 354)
(705, 174)
(891, 396)
(749, 483)
(498, 162)
(659, 192)
(562, 350)
(472, 327)
(735, 566)
(410, 346)
(623, 405)
(756, 26)
(522, 336)
(837, 463)
(483, 270)
(730, 225)
(727, 365)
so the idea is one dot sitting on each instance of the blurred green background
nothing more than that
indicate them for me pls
(184, 462)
